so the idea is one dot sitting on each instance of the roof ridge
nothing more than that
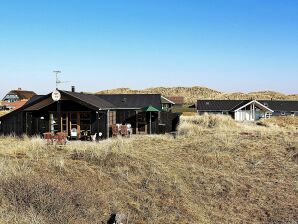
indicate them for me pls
(93, 95)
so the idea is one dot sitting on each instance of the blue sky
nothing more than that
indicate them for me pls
(228, 45)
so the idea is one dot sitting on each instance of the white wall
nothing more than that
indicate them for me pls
(246, 115)
(243, 115)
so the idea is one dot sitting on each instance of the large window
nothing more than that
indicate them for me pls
(11, 98)
(85, 118)
(112, 118)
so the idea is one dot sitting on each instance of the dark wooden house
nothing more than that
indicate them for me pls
(88, 113)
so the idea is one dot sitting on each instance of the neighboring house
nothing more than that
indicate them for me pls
(18, 95)
(14, 105)
(178, 100)
(2, 106)
(166, 104)
(282, 107)
(248, 110)
(240, 110)
(92, 113)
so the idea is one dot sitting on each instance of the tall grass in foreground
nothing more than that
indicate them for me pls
(215, 171)
(196, 125)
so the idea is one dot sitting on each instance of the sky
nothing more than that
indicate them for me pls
(227, 45)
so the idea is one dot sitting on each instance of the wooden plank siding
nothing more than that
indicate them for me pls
(13, 124)
(171, 121)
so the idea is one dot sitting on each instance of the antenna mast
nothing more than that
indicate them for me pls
(57, 80)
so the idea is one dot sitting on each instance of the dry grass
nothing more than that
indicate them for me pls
(215, 171)
(192, 94)
(189, 113)
(3, 112)
(285, 122)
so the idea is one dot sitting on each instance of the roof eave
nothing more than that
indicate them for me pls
(170, 101)
(254, 101)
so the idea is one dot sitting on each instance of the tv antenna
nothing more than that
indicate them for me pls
(57, 72)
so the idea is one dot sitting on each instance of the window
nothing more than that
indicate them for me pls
(85, 119)
(112, 118)
(11, 98)
(268, 115)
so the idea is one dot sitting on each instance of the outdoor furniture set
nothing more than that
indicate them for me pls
(121, 130)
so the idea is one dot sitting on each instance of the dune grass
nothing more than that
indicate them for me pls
(282, 121)
(192, 94)
(215, 171)
(3, 112)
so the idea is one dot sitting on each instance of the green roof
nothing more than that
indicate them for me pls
(150, 109)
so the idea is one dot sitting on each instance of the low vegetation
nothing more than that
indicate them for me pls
(215, 171)
(3, 112)
(286, 122)
(192, 94)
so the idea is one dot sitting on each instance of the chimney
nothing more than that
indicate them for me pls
(73, 89)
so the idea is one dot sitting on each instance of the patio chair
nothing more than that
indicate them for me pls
(61, 138)
(124, 130)
(48, 136)
(74, 134)
(129, 129)
(115, 130)
(93, 137)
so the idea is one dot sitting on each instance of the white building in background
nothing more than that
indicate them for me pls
(248, 110)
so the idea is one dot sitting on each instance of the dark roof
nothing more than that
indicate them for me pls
(220, 105)
(177, 99)
(165, 100)
(281, 105)
(133, 101)
(230, 105)
(91, 99)
(103, 101)
(33, 99)
(22, 94)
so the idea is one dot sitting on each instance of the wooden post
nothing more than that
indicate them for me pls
(67, 124)
(150, 123)
(26, 118)
(108, 123)
(79, 124)
(137, 122)
(59, 116)
(253, 109)
(97, 124)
